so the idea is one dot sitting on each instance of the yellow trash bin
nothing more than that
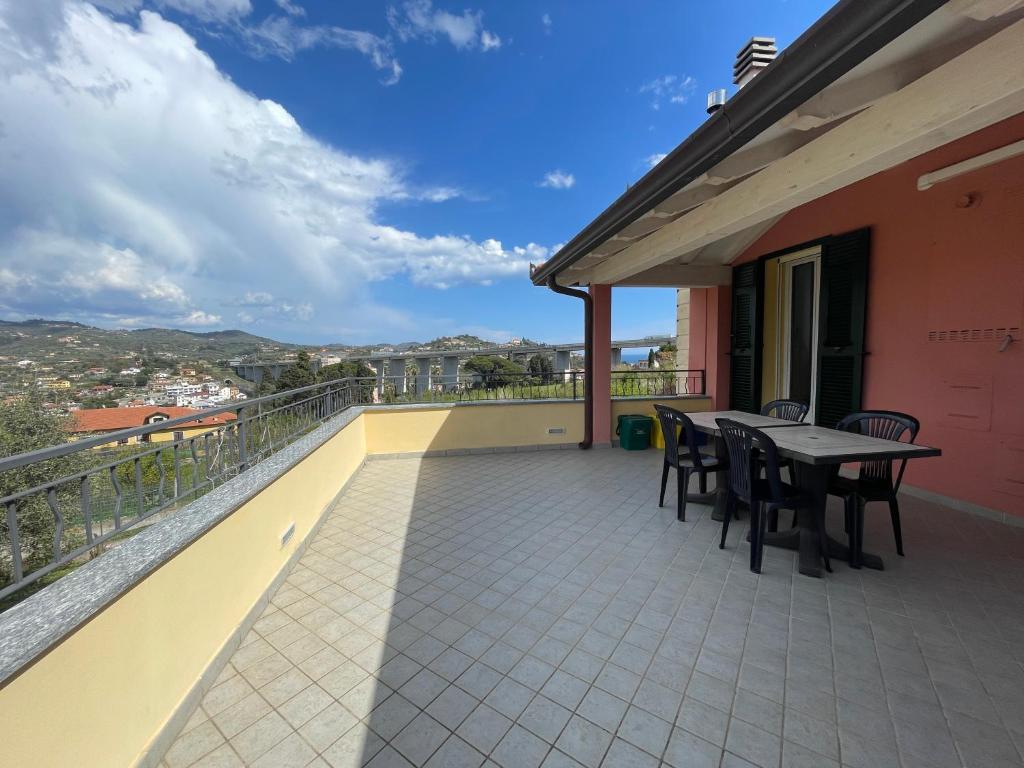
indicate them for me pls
(657, 438)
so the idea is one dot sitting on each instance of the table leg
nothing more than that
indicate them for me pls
(813, 480)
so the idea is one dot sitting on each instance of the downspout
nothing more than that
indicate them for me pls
(588, 357)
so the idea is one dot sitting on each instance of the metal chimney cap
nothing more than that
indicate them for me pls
(716, 100)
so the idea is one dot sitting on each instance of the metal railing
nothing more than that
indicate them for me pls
(99, 490)
(82, 496)
(501, 385)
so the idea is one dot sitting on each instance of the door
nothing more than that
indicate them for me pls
(799, 293)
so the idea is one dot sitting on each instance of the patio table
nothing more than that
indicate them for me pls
(816, 452)
(704, 422)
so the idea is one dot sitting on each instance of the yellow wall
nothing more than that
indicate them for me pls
(101, 696)
(646, 407)
(442, 428)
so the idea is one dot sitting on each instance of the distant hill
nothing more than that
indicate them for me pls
(50, 339)
(58, 340)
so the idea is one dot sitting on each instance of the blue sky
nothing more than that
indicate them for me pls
(323, 171)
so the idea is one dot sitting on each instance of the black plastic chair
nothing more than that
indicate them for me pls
(749, 450)
(684, 456)
(791, 410)
(875, 481)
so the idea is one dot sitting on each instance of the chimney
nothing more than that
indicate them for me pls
(716, 100)
(757, 54)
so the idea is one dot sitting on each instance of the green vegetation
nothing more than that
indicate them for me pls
(541, 368)
(494, 371)
(298, 374)
(345, 370)
(26, 426)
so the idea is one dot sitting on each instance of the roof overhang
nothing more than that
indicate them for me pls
(869, 86)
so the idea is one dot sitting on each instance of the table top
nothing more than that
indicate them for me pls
(705, 421)
(819, 445)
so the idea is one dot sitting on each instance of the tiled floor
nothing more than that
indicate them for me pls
(533, 609)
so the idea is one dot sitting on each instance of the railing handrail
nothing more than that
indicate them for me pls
(66, 449)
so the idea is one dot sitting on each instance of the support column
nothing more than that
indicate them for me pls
(683, 382)
(616, 357)
(602, 298)
(422, 375)
(709, 340)
(563, 360)
(450, 372)
(378, 366)
(396, 370)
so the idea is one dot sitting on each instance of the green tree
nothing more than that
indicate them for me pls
(348, 369)
(26, 426)
(540, 368)
(650, 359)
(494, 371)
(298, 374)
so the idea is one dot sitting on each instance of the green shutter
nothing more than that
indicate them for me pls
(844, 284)
(745, 339)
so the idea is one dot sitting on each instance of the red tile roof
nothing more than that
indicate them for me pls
(110, 419)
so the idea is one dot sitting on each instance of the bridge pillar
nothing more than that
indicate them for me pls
(602, 296)
(563, 360)
(396, 372)
(378, 366)
(616, 357)
(450, 372)
(422, 375)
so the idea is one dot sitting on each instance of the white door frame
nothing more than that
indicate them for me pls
(782, 330)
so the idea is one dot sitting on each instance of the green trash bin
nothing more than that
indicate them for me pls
(634, 431)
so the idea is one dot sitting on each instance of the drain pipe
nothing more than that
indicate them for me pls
(588, 357)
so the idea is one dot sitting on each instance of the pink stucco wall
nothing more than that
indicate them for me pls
(709, 339)
(937, 265)
(602, 297)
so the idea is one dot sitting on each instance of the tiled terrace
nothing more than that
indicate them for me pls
(530, 609)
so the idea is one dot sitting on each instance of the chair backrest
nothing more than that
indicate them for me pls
(679, 433)
(793, 410)
(744, 445)
(887, 425)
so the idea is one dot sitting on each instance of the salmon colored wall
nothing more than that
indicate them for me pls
(937, 266)
(709, 340)
(602, 296)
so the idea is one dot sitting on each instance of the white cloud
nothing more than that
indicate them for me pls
(440, 194)
(489, 41)
(653, 160)
(418, 19)
(200, 318)
(280, 36)
(558, 180)
(671, 88)
(139, 184)
(545, 20)
(291, 8)
(209, 10)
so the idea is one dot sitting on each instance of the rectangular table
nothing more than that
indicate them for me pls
(816, 451)
(704, 422)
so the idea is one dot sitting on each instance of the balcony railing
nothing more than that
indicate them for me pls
(88, 494)
(567, 385)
